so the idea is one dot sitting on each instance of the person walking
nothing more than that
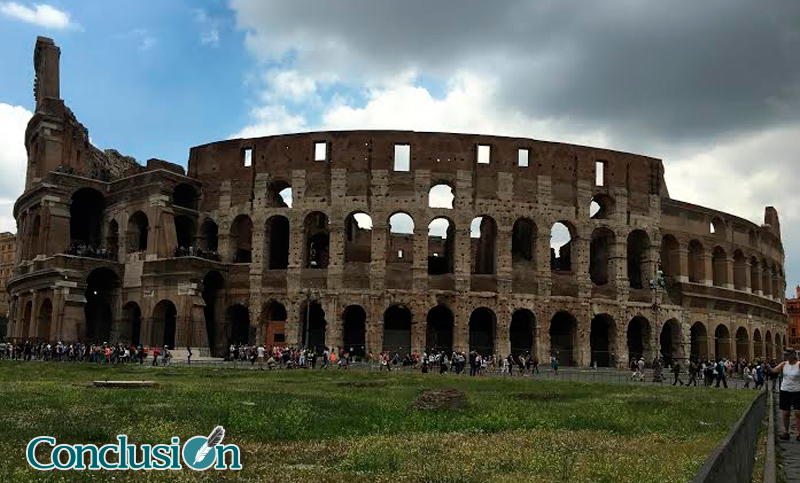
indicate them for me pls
(693, 368)
(676, 371)
(721, 374)
(789, 392)
(188, 354)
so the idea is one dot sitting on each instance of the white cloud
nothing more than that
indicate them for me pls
(42, 15)
(270, 120)
(209, 25)
(289, 85)
(143, 38)
(13, 160)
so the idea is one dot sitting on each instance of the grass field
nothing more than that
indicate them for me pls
(320, 426)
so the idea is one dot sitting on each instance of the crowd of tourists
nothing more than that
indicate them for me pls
(78, 352)
(710, 373)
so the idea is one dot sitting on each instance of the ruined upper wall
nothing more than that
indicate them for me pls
(443, 154)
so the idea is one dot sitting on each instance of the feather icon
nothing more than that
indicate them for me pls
(214, 439)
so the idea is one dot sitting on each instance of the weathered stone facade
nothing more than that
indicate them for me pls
(793, 311)
(323, 239)
(8, 247)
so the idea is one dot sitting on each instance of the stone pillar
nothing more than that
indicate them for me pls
(419, 266)
(336, 253)
(544, 280)
(418, 328)
(748, 283)
(730, 275)
(618, 268)
(502, 340)
(461, 315)
(461, 267)
(504, 271)
(377, 269)
(683, 259)
(708, 269)
(580, 266)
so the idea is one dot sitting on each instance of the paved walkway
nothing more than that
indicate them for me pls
(788, 451)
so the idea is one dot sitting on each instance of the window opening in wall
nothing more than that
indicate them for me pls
(399, 253)
(441, 196)
(402, 157)
(600, 173)
(441, 234)
(522, 158)
(484, 153)
(711, 228)
(560, 248)
(320, 151)
(247, 158)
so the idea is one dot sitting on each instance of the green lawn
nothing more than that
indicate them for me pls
(319, 426)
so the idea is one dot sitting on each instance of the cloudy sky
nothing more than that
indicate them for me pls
(712, 87)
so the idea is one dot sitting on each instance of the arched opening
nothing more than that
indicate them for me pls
(699, 342)
(523, 244)
(279, 194)
(742, 344)
(185, 196)
(599, 255)
(277, 238)
(184, 231)
(483, 234)
(238, 325)
(739, 271)
(34, 247)
(441, 196)
(314, 324)
(638, 339)
(165, 321)
(441, 238)
(670, 257)
(397, 330)
(26, 320)
(601, 207)
(45, 319)
(722, 342)
(273, 318)
(720, 264)
(101, 288)
(755, 276)
(601, 340)
(752, 238)
(86, 217)
(562, 337)
(210, 236)
(482, 324)
(400, 242)
(358, 238)
(766, 280)
(439, 333)
(717, 227)
(638, 270)
(561, 247)
(670, 341)
(355, 330)
(769, 348)
(241, 239)
(316, 228)
(758, 345)
(132, 323)
(138, 227)
(697, 266)
(212, 295)
(112, 239)
(522, 332)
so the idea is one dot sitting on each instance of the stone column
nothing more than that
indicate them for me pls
(504, 271)
(730, 274)
(461, 267)
(708, 269)
(544, 281)
(580, 266)
(683, 258)
(419, 266)
(377, 269)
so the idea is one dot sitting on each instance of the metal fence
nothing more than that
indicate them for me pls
(732, 461)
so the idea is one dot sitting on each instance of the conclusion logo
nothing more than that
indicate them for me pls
(198, 453)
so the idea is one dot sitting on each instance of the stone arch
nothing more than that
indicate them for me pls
(314, 325)
(165, 321)
(273, 320)
(26, 320)
(742, 344)
(638, 336)
(354, 333)
(766, 279)
(184, 231)
(86, 217)
(758, 344)
(112, 239)
(213, 298)
(603, 333)
(397, 321)
(698, 336)
(670, 341)
(317, 233)
(358, 238)
(720, 267)
(717, 227)
(523, 244)
(241, 239)
(441, 246)
(482, 326)
(697, 267)
(138, 229)
(209, 233)
(600, 252)
(483, 239)
(277, 240)
(670, 256)
(439, 329)
(562, 234)
(441, 195)
(739, 270)
(755, 277)
(722, 342)
(45, 318)
(131, 328)
(638, 259)
(522, 332)
(769, 348)
(102, 286)
(185, 196)
(279, 194)
(400, 242)
(563, 337)
(238, 318)
(34, 248)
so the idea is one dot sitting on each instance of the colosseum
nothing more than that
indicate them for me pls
(383, 241)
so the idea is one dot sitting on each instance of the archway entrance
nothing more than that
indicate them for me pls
(238, 325)
(562, 338)
(670, 341)
(638, 338)
(699, 342)
(439, 334)
(355, 330)
(212, 293)
(314, 324)
(132, 320)
(601, 340)
(742, 345)
(165, 317)
(482, 323)
(522, 332)
(273, 319)
(397, 330)
(722, 342)
(101, 287)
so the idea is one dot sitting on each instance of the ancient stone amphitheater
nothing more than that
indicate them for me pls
(383, 240)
